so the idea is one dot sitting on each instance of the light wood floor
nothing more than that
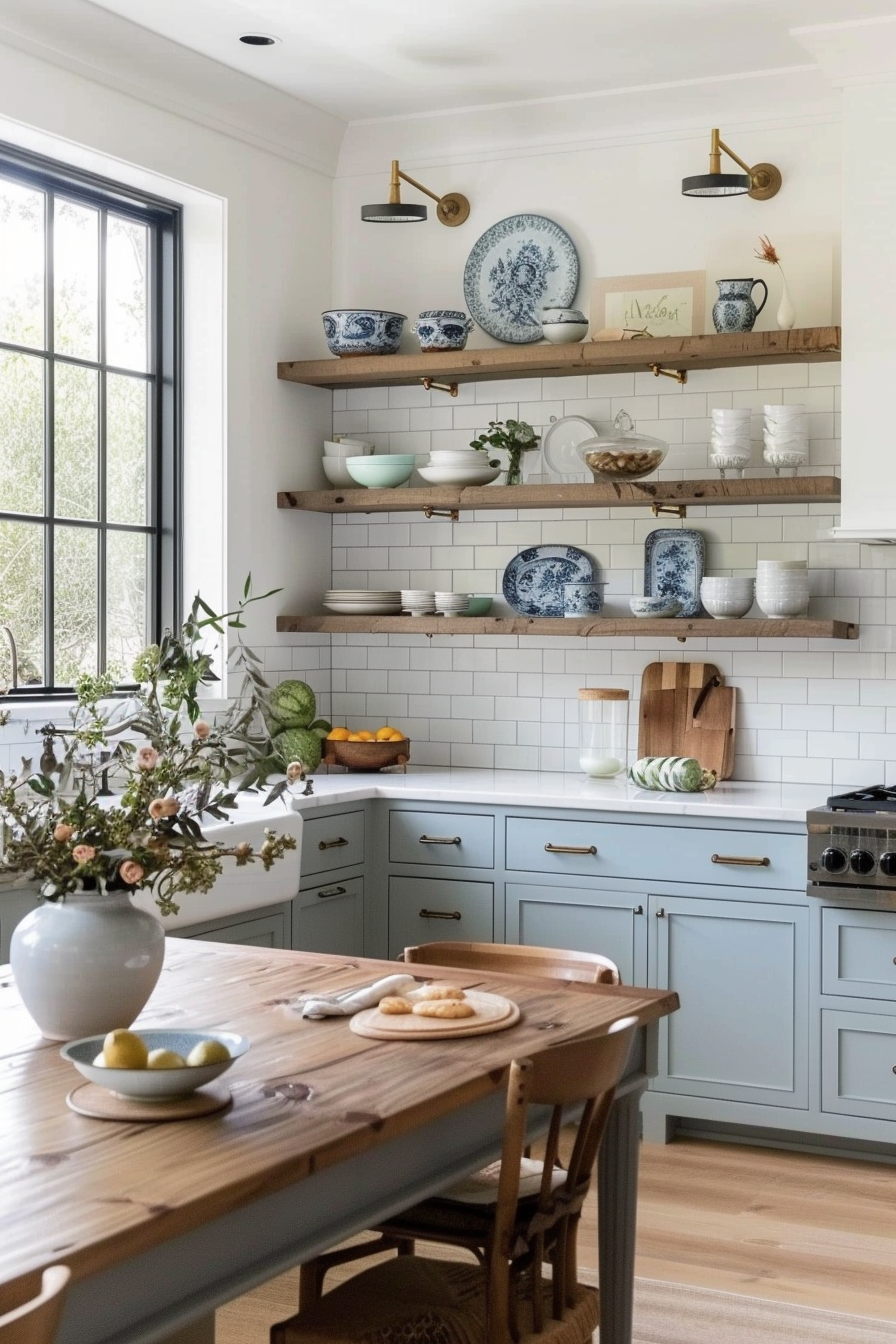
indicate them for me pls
(820, 1231)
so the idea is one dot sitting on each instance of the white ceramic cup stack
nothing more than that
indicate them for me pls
(729, 443)
(452, 604)
(418, 601)
(785, 437)
(727, 597)
(782, 588)
(335, 453)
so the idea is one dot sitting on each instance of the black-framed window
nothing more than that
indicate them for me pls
(90, 421)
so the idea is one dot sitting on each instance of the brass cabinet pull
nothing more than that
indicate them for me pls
(332, 891)
(739, 861)
(570, 849)
(439, 840)
(661, 913)
(440, 914)
(339, 843)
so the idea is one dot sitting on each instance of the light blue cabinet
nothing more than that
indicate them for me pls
(742, 970)
(329, 917)
(442, 839)
(858, 953)
(858, 1064)
(588, 919)
(433, 909)
(263, 928)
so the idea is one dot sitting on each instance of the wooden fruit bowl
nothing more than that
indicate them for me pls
(366, 755)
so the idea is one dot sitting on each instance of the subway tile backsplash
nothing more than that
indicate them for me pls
(815, 711)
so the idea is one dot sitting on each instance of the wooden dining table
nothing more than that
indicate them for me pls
(328, 1132)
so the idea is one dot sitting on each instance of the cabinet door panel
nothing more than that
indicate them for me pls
(581, 920)
(432, 909)
(268, 931)
(330, 918)
(858, 953)
(741, 970)
(858, 1064)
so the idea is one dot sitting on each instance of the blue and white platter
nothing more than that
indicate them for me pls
(534, 579)
(674, 558)
(519, 266)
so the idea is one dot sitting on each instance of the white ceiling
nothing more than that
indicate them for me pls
(362, 59)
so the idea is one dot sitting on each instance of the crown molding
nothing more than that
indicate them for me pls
(859, 51)
(98, 46)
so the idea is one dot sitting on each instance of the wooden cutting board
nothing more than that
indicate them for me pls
(667, 725)
(493, 1013)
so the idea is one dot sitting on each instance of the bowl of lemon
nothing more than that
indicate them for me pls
(366, 749)
(154, 1065)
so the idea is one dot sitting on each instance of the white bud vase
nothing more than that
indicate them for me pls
(786, 314)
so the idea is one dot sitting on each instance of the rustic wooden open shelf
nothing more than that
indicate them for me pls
(762, 490)
(680, 628)
(543, 360)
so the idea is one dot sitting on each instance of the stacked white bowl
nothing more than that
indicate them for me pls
(459, 466)
(452, 604)
(726, 597)
(729, 443)
(335, 453)
(782, 588)
(418, 601)
(785, 437)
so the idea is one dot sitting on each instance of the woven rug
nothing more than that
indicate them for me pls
(671, 1313)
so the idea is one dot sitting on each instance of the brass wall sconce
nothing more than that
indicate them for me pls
(452, 209)
(760, 182)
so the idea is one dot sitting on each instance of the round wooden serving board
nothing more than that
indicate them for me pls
(101, 1104)
(492, 1014)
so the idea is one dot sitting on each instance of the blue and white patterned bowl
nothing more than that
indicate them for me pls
(654, 606)
(442, 329)
(363, 331)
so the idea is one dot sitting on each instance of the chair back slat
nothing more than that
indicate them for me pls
(36, 1321)
(589, 968)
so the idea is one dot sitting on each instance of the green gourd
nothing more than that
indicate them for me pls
(671, 774)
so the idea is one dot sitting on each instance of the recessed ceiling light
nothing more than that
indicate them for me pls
(258, 40)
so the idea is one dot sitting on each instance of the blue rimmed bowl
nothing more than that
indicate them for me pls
(362, 331)
(442, 329)
(155, 1084)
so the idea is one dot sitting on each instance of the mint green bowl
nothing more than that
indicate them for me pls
(479, 606)
(377, 475)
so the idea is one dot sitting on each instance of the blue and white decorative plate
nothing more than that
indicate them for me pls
(518, 266)
(534, 579)
(674, 558)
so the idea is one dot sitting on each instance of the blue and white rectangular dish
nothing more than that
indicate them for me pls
(674, 560)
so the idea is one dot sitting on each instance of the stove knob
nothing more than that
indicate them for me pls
(860, 861)
(833, 860)
(888, 864)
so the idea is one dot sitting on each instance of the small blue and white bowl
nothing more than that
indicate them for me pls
(583, 599)
(363, 331)
(654, 606)
(442, 329)
(563, 326)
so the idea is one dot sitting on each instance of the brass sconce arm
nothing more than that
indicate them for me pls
(451, 209)
(765, 178)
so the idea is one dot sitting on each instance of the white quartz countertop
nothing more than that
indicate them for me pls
(733, 799)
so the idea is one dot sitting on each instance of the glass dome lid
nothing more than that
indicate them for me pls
(620, 453)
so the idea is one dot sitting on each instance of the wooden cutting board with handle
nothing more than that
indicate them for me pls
(687, 711)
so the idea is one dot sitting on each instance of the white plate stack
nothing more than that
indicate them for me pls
(452, 604)
(418, 601)
(785, 437)
(782, 588)
(459, 466)
(729, 443)
(363, 601)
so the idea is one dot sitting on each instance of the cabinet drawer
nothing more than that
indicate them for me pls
(858, 953)
(436, 909)
(329, 917)
(858, 1064)
(586, 920)
(333, 842)
(444, 839)
(663, 853)
(265, 931)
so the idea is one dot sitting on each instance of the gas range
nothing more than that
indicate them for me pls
(852, 849)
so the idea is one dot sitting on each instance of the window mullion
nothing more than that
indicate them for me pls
(50, 447)
(101, 450)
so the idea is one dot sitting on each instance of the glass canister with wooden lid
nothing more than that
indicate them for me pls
(603, 731)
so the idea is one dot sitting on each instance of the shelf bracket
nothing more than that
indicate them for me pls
(680, 375)
(431, 385)
(430, 512)
(676, 510)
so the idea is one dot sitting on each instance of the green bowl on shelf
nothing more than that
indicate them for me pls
(479, 606)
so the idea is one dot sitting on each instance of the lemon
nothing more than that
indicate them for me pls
(396, 736)
(338, 735)
(124, 1049)
(208, 1052)
(354, 737)
(365, 736)
(165, 1059)
(99, 1062)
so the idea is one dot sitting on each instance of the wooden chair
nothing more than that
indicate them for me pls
(36, 1321)
(428, 1301)
(588, 967)
(448, 1218)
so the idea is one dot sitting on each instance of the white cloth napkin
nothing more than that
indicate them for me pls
(345, 1005)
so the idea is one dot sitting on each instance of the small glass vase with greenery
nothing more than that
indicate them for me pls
(514, 437)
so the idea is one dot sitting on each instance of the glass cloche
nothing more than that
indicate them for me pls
(621, 454)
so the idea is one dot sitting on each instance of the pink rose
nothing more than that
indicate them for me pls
(83, 853)
(62, 832)
(201, 729)
(147, 758)
(163, 807)
(130, 872)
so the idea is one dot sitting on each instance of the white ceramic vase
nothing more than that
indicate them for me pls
(86, 965)
(786, 314)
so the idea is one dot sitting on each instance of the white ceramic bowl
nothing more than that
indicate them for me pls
(784, 412)
(337, 473)
(728, 583)
(564, 333)
(726, 598)
(654, 606)
(155, 1084)
(460, 475)
(382, 471)
(347, 448)
(782, 605)
(730, 414)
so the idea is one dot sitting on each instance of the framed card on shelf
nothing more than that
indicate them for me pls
(669, 304)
